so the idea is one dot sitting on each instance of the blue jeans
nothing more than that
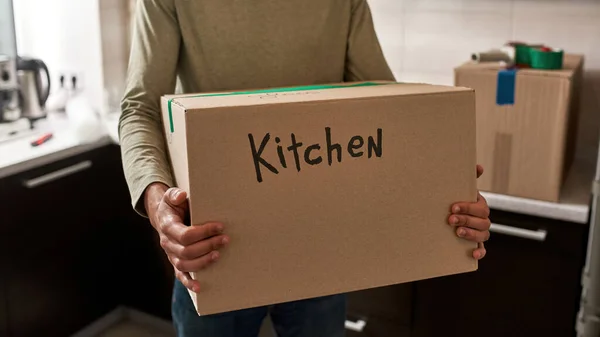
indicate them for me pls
(319, 317)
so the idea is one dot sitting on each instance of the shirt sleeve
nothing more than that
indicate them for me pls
(152, 72)
(364, 58)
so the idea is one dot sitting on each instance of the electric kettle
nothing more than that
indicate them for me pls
(34, 81)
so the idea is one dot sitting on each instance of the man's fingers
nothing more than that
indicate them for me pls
(480, 252)
(189, 266)
(174, 229)
(481, 224)
(204, 247)
(197, 233)
(195, 250)
(176, 198)
(479, 170)
(472, 234)
(188, 235)
(187, 281)
(479, 209)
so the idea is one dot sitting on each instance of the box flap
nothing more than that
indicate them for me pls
(190, 102)
(299, 94)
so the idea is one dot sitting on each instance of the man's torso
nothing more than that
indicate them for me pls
(233, 44)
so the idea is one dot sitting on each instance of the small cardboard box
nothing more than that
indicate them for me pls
(526, 126)
(324, 189)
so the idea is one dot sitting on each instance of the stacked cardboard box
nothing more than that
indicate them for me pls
(526, 125)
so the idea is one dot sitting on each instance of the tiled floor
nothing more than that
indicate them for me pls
(132, 329)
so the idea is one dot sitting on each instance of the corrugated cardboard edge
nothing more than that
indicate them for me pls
(176, 142)
(179, 141)
(473, 267)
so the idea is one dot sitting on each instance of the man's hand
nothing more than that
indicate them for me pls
(189, 248)
(472, 221)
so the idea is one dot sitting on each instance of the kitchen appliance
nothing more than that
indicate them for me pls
(10, 110)
(34, 81)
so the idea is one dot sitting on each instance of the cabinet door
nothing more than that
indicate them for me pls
(383, 311)
(375, 327)
(58, 279)
(76, 248)
(528, 285)
(3, 265)
(3, 301)
(391, 302)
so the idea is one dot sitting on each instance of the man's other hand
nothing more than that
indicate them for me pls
(189, 248)
(472, 221)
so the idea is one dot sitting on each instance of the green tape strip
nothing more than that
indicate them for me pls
(266, 91)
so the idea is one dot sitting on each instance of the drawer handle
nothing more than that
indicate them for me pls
(53, 176)
(357, 326)
(539, 235)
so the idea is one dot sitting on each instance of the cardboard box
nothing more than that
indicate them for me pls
(325, 189)
(526, 126)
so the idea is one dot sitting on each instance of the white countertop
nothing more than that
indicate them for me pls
(18, 155)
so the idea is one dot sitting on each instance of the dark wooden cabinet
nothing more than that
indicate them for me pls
(380, 327)
(385, 311)
(3, 289)
(73, 249)
(5, 219)
(524, 287)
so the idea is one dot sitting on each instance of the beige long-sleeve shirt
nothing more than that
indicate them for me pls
(213, 45)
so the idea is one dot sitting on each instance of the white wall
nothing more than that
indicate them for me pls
(7, 33)
(115, 18)
(66, 35)
(423, 40)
